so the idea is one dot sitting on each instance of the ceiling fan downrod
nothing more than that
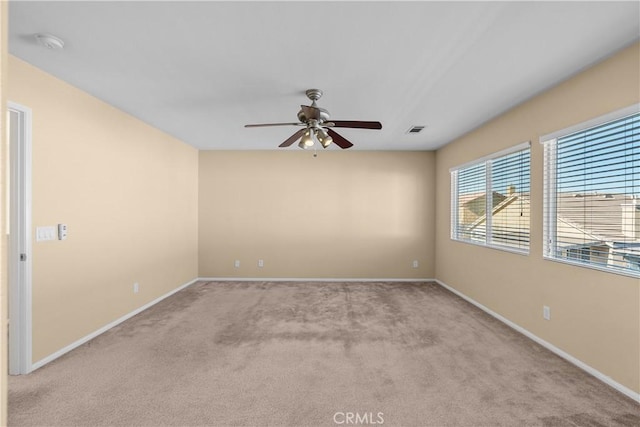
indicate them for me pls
(313, 95)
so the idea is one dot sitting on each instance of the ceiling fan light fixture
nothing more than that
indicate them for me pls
(306, 141)
(323, 138)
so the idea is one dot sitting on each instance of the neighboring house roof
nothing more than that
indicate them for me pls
(509, 221)
(477, 202)
(507, 212)
(596, 217)
(600, 224)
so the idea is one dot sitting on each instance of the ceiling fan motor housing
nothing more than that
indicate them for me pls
(324, 116)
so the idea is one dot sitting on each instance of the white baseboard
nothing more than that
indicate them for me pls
(52, 357)
(580, 364)
(311, 279)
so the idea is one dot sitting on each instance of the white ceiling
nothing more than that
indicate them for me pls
(201, 70)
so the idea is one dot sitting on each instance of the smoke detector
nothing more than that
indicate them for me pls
(49, 41)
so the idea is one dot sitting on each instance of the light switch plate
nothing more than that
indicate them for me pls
(45, 233)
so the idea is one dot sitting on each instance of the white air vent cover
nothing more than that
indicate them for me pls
(415, 129)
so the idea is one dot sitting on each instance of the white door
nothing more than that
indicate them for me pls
(19, 236)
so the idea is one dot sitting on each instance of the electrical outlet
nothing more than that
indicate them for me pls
(237, 263)
(260, 263)
(62, 231)
(136, 288)
(415, 263)
(546, 312)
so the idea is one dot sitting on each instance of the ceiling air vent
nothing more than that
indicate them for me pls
(415, 129)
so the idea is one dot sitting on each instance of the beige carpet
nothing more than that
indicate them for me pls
(315, 354)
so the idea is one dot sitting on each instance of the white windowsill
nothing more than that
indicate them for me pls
(629, 273)
(524, 252)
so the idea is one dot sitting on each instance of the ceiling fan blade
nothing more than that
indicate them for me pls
(293, 138)
(356, 124)
(338, 139)
(273, 124)
(311, 112)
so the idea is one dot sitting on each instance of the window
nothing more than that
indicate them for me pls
(498, 185)
(592, 193)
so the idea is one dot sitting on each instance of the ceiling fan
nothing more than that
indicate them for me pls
(317, 126)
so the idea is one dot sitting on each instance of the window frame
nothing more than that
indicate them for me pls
(549, 205)
(487, 161)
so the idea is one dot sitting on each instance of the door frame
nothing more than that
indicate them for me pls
(19, 258)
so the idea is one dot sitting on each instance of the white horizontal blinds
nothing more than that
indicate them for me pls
(471, 202)
(491, 201)
(597, 196)
(510, 188)
(549, 228)
(454, 205)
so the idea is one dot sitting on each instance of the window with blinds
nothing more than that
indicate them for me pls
(592, 194)
(490, 200)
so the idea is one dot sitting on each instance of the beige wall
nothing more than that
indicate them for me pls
(344, 214)
(128, 194)
(595, 315)
(4, 312)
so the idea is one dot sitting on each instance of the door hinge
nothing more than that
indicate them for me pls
(23, 257)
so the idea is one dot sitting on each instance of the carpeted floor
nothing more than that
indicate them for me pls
(314, 354)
